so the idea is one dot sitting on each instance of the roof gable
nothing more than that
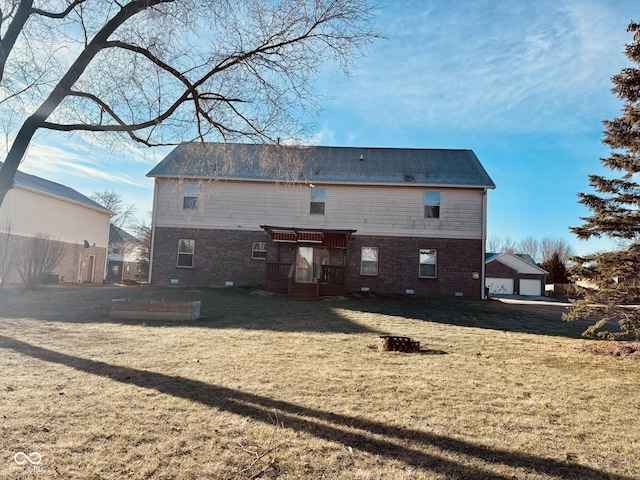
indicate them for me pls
(31, 182)
(349, 165)
(516, 262)
(119, 236)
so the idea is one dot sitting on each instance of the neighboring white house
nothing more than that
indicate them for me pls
(35, 205)
(339, 219)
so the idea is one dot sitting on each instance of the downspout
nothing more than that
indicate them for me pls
(484, 245)
(106, 250)
(153, 227)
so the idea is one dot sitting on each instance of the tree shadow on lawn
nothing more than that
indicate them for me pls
(253, 310)
(539, 319)
(369, 436)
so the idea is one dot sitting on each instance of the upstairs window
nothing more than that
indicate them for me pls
(186, 249)
(369, 261)
(428, 263)
(431, 204)
(317, 201)
(190, 200)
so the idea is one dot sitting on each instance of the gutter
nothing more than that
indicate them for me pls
(324, 182)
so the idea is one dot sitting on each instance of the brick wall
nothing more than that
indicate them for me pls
(225, 255)
(398, 266)
(74, 260)
(220, 256)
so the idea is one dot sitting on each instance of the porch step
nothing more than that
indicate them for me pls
(303, 291)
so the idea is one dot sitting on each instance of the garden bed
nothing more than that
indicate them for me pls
(126, 308)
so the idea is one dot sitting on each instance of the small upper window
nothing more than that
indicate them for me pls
(317, 201)
(259, 250)
(369, 261)
(186, 249)
(190, 200)
(428, 263)
(431, 204)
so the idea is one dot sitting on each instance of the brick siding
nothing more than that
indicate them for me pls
(220, 256)
(73, 261)
(398, 266)
(225, 255)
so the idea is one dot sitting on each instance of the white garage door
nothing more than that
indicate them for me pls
(499, 286)
(530, 287)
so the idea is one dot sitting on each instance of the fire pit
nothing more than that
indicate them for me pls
(390, 343)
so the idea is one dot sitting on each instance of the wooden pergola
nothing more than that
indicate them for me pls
(283, 261)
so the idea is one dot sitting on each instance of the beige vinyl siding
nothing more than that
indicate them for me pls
(32, 212)
(374, 210)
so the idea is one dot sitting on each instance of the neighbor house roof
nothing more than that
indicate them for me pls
(31, 182)
(520, 262)
(119, 236)
(349, 165)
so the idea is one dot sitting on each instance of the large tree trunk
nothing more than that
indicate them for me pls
(15, 155)
(61, 90)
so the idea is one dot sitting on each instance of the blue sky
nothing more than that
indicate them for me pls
(524, 84)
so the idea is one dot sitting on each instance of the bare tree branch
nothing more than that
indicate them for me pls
(196, 68)
(13, 30)
(63, 14)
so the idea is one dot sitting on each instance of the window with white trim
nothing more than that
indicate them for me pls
(318, 196)
(431, 204)
(259, 250)
(190, 199)
(428, 263)
(369, 261)
(186, 250)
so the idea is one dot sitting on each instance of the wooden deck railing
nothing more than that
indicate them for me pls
(332, 274)
(279, 272)
(281, 278)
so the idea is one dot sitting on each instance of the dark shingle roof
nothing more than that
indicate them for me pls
(351, 165)
(118, 236)
(55, 189)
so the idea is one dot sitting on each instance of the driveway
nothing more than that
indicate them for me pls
(531, 300)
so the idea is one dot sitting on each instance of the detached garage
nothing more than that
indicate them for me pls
(513, 274)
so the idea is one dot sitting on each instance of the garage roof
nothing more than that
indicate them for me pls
(519, 263)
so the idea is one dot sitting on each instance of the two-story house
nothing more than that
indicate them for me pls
(122, 257)
(38, 206)
(316, 221)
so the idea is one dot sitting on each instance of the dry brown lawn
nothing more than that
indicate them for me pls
(266, 388)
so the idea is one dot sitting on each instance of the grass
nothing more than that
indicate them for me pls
(266, 388)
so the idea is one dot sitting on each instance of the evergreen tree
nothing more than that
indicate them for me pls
(613, 276)
(556, 268)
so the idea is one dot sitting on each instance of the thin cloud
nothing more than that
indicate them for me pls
(516, 66)
(325, 136)
(54, 162)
